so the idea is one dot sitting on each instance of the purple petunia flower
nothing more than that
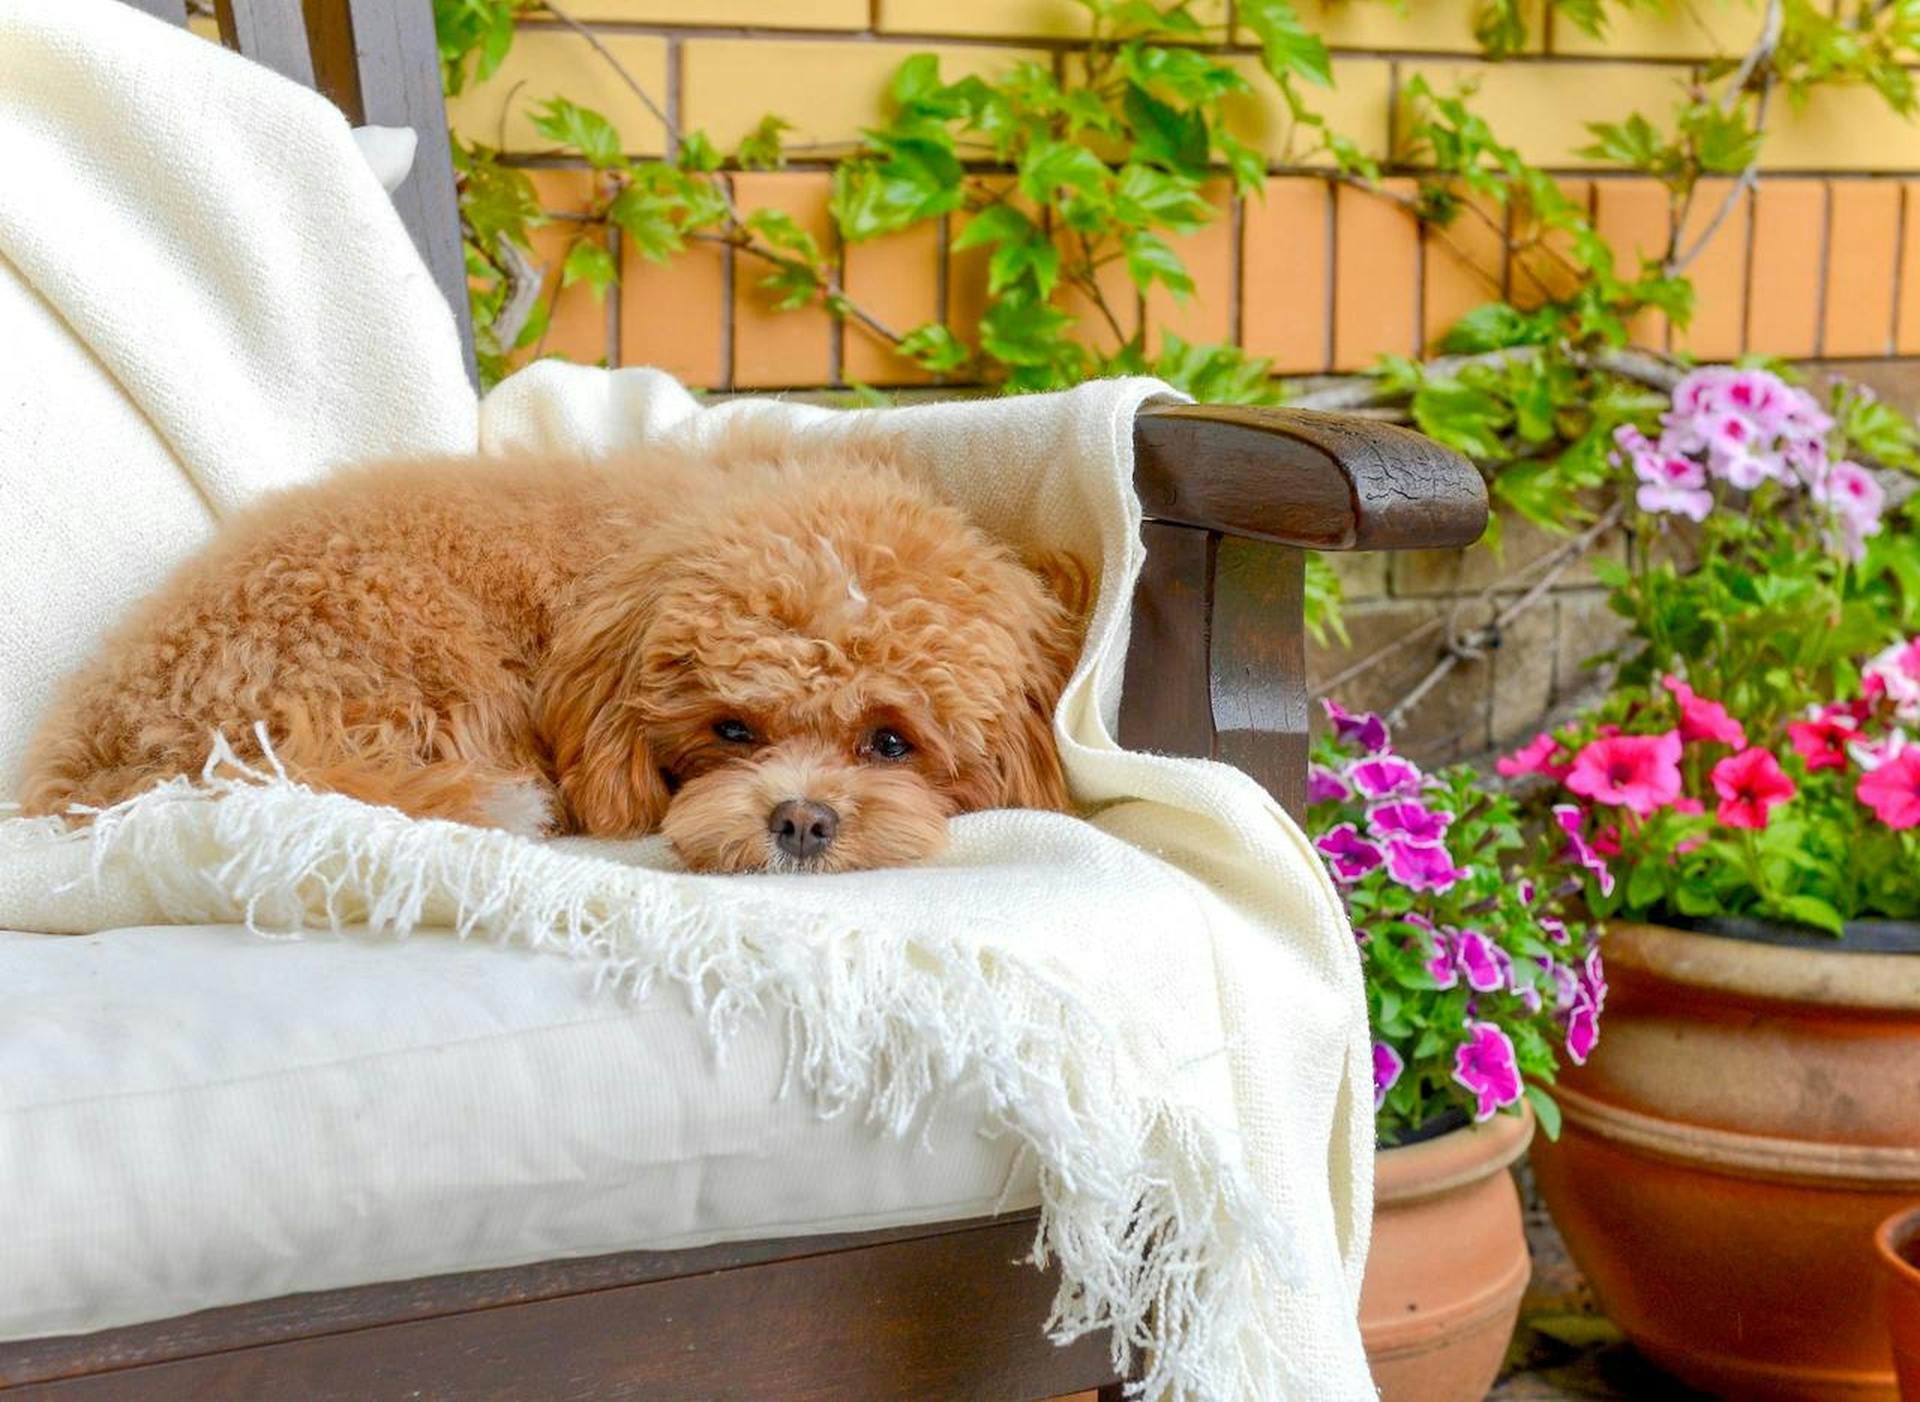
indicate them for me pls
(1526, 890)
(1442, 966)
(1566, 984)
(1478, 960)
(1325, 786)
(1570, 818)
(1387, 1067)
(1583, 1031)
(1554, 928)
(1421, 866)
(1593, 980)
(1486, 1066)
(1408, 818)
(1352, 856)
(1366, 730)
(1384, 776)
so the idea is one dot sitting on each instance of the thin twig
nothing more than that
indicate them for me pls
(620, 68)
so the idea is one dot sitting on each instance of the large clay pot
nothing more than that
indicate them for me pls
(1752, 1113)
(1899, 1242)
(1448, 1264)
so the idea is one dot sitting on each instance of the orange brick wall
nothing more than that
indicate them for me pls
(1815, 262)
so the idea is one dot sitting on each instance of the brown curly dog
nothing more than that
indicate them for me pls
(780, 665)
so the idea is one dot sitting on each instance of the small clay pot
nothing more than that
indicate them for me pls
(1899, 1243)
(1448, 1263)
(1746, 1122)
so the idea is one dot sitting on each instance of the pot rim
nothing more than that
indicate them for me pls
(1438, 1166)
(1720, 964)
(1901, 1229)
(1862, 936)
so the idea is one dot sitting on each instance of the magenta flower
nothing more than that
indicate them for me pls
(1387, 1067)
(1525, 890)
(1384, 776)
(1553, 927)
(1892, 791)
(1750, 785)
(1366, 730)
(1325, 786)
(1566, 983)
(1894, 673)
(1593, 979)
(1701, 719)
(1820, 742)
(1583, 1031)
(1478, 960)
(1540, 755)
(1408, 818)
(1421, 866)
(1486, 1066)
(1570, 819)
(1640, 773)
(1350, 855)
(1442, 967)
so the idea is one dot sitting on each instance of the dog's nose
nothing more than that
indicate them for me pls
(803, 828)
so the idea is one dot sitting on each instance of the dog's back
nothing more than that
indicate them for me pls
(384, 625)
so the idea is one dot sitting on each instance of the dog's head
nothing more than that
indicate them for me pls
(813, 669)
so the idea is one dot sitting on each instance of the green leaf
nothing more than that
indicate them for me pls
(648, 220)
(1545, 1111)
(916, 79)
(1048, 166)
(588, 261)
(1287, 46)
(1461, 417)
(934, 347)
(1022, 331)
(1150, 260)
(580, 128)
(761, 148)
(1015, 258)
(1166, 135)
(1811, 910)
(1145, 196)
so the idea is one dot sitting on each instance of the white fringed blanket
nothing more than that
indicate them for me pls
(1162, 1003)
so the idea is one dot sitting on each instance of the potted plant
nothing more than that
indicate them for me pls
(1476, 985)
(1747, 801)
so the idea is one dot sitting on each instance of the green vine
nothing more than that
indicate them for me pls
(1061, 176)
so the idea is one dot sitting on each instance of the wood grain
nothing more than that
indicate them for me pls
(270, 32)
(1296, 477)
(1258, 667)
(955, 1315)
(1164, 705)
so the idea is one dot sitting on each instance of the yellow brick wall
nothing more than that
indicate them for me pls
(1817, 260)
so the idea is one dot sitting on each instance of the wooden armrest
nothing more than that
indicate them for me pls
(1304, 478)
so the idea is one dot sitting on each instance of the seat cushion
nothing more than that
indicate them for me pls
(194, 1116)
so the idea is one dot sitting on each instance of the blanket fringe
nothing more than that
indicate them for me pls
(1146, 1207)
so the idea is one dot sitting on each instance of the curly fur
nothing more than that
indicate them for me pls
(553, 646)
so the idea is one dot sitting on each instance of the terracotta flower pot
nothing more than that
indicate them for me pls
(1899, 1242)
(1749, 1118)
(1448, 1264)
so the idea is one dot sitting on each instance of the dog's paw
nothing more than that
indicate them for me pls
(524, 807)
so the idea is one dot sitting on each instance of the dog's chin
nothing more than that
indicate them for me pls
(718, 823)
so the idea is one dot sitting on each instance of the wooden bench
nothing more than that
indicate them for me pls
(1216, 667)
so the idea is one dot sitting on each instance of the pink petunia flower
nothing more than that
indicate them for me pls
(1566, 983)
(1421, 866)
(1893, 674)
(1701, 719)
(1366, 730)
(1570, 819)
(1478, 960)
(1593, 979)
(1821, 743)
(1486, 1066)
(1672, 484)
(1893, 790)
(1750, 784)
(1387, 1066)
(1540, 755)
(1640, 773)
(1325, 786)
(1350, 855)
(1442, 967)
(1408, 818)
(1384, 776)
(1583, 1031)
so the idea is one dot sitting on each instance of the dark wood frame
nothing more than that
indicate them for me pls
(1216, 667)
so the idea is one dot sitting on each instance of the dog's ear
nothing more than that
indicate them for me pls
(1028, 760)
(583, 705)
(1067, 577)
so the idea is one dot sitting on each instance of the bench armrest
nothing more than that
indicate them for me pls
(1304, 478)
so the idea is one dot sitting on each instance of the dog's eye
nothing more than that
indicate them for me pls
(733, 732)
(889, 744)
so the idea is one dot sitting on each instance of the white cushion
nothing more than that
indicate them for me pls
(197, 1116)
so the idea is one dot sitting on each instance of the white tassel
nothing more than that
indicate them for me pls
(1145, 1205)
